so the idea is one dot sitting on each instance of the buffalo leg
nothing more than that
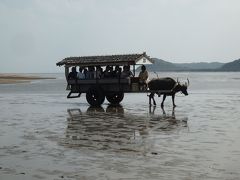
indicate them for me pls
(151, 96)
(150, 99)
(164, 97)
(173, 100)
(154, 102)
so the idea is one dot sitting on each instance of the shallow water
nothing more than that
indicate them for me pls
(43, 135)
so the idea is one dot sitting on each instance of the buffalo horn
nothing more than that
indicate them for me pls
(188, 83)
(156, 74)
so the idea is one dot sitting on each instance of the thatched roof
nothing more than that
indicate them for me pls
(127, 59)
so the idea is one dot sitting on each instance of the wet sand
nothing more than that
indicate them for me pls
(44, 135)
(19, 78)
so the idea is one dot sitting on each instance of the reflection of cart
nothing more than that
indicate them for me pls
(112, 128)
(97, 89)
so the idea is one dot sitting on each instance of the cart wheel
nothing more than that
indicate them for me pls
(115, 98)
(95, 96)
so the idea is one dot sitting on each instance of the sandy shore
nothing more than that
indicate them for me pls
(19, 78)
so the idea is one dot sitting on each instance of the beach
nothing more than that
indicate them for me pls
(9, 78)
(44, 135)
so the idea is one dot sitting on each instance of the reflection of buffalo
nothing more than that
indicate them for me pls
(166, 84)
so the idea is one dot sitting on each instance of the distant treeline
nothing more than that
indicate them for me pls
(161, 65)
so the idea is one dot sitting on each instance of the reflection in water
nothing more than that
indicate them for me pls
(116, 130)
(167, 122)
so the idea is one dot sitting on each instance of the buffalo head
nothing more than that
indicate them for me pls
(181, 87)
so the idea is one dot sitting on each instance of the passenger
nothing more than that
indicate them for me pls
(105, 72)
(108, 73)
(117, 72)
(111, 72)
(80, 74)
(98, 72)
(120, 72)
(90, 74)
(143, 76)
(101, 70)
(87, 76)
(85, 72)
(72, 74)
(126, 72)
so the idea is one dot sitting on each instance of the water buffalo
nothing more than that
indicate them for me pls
(166, 84)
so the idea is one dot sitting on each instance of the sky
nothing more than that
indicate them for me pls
(36, 34)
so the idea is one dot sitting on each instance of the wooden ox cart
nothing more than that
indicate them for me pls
(97, 89)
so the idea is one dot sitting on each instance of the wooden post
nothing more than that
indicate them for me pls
(66, 72)
(66, 76)
(134, 70)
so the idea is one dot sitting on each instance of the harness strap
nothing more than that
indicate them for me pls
(174, 86)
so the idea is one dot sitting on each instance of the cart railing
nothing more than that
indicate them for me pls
(99, 81)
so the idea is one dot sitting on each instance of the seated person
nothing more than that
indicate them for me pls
(85, 72)
(72, 74)
(80, 74)
(117, 72)
(90, 74)
(126, 72)
(108, 73)
(99, 72)
(143, 76)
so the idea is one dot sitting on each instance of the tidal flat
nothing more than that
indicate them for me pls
(44, 135)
